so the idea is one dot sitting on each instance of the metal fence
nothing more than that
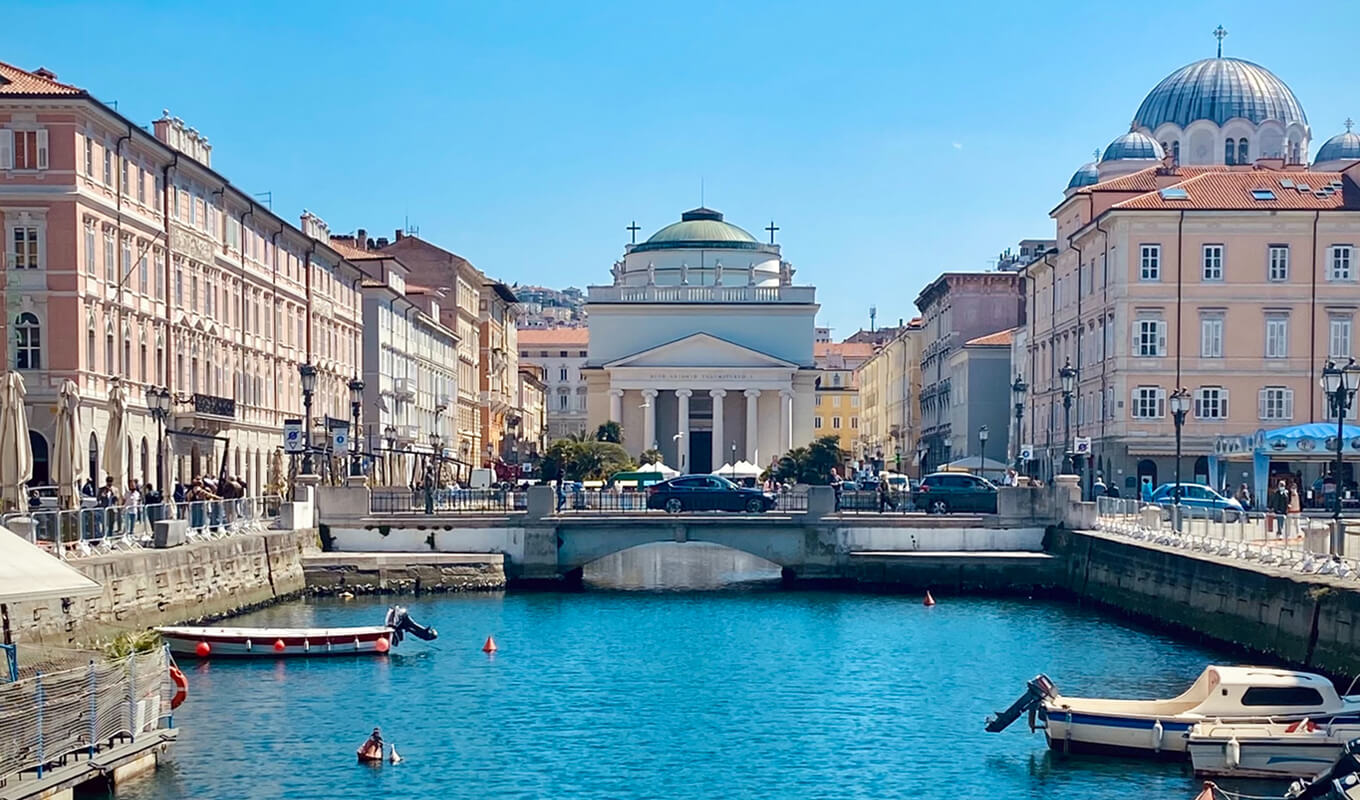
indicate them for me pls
(865, 501)
(445, 501)
(1292, 541)
(49, 718)
(81, 532)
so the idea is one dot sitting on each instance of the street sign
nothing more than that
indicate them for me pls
(292, 436)
(340, 441)
(1081, 445)
(1026, 452)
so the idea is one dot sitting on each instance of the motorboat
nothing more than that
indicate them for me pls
(1298, 749)
(1161, 728)
(209, 642)
(1338, 782)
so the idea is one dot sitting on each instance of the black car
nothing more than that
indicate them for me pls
(706, 493)
(942, 492)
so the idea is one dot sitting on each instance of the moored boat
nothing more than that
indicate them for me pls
(208, 642)
(1299, 749)
(1161, 728)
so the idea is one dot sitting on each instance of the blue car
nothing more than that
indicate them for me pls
(1199, 496)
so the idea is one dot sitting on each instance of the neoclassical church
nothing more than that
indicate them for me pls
(1217, 112)
(701, 346)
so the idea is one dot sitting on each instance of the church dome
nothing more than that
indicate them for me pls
(1085, 176)
(700, 228)
(1341, 147)
(1217, 90)
(1132, 145)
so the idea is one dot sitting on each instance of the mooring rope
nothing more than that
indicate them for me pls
(1220, 791)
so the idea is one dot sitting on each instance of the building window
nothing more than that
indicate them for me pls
(1276, 403)
(1277, 337)
(24, 255)
(1149, 402)
(90, 253)
(1229, 151)
(108, 166)
(1211, 402)
(23, 149)
(110, 270)
(28, 337)
(1176, 151)
(1243, 154)
(1277, 262)
(193, 292)
(141, 186)
(1150, 338)
(141, 272)
(562, 402)
(1150, 262)
(562, 374)
(818, 401)
(89, 157)
(1339, 337)
(836, 422)
(1341, 262)
(854, 423)
(817, 422)
(1211, 336)
(1213, 262)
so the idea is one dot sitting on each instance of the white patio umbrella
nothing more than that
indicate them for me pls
(16, 451)
(660, 468)
(67, 461)
(743, 469)
(115, 447)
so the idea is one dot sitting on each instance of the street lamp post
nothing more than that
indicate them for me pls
(1340, 384)
(1180, 406)
(1069, 380)
(733, 462)
(1018, 390)
(389, 461)
(983, 433)
(356, 400)
(158, 400)
(922, 450)
(897, 456)
(307, 373)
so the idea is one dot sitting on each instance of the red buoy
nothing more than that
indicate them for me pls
(381, 645)
(279, 645)
(929, 601)
(490, 646)
(203, 649)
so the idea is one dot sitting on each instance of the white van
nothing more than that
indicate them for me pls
(481, 478)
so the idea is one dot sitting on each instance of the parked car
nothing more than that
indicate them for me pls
(943, 492)
(706, 493)
(1199, 496)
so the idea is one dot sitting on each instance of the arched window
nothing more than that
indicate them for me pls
(28, 338)
(1230, 151)
(1296, 153)
(40, 459)
(1243, 156)
(1176, 151)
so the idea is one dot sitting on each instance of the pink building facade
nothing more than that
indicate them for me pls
(128, 258)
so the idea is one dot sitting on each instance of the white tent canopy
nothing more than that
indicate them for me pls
(659, 468)
(971, 463)
(741, 469)
(28, 574)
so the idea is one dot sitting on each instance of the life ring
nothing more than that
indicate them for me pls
(181, 687)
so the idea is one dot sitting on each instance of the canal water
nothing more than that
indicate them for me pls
(743, 692)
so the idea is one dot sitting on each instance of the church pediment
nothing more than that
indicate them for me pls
(701, 350)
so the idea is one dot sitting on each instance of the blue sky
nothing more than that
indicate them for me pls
(889, 141)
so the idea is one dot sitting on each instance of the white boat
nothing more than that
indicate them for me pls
(1162, 727)
(210, 642)
(1298, 749)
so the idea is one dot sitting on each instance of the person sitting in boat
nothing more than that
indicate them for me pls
(372, 750)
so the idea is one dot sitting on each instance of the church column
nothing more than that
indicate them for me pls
(682, 428)
(785, 420)
(648, 419)
(752, 426)
(718, 441)
(616, 406)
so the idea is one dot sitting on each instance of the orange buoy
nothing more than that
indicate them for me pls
(203, 649)
(279, 645)
(490, 646)
(181, 687)
(381, 645)
(929, 601)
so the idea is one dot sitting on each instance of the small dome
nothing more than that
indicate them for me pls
(700, 228)
(1132, 145)
(1087, 175)
(1217, 90)
(1341, 147)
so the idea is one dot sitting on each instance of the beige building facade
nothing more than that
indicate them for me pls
(889, 388)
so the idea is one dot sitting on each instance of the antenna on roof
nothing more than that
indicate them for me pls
(408, 228)
(1219, 33)
(873, 317)
(701, 192)
(268, 198)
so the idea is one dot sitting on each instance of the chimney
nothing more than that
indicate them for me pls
(361, 239)
(398, 234)
(382, 242)
(44, 72)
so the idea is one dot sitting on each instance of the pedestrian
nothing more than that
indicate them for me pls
(132, 505)
(1278, 504)
(1243, 497)
(836, 486)
(428, 485)
(561, 493)
(885, 498)
(1098, 488)
(107, 499)
(88, 488)
(1147, 489)
(180, 496)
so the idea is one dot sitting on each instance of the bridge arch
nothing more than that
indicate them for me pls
(579, 544)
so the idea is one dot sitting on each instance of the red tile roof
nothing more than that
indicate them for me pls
(999, 338)
(546, 337)
(1144, 180)
(1232, 191)
(349, 251)
(18, 81)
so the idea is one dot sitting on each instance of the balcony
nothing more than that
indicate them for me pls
(702, 294)
(205, 413)
(407, 434)
(404, 388)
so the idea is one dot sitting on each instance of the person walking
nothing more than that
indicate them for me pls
(885, 498)
(836, 486)
(1243, 497)
(561, 493)
(107, 499)
(132, 506)
(1278, 504)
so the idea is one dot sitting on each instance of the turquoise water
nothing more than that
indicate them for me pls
(728, 694)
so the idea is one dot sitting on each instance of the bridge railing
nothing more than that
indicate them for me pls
(445, 501)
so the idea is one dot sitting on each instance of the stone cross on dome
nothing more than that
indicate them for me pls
(1219, 33)
(633, 228)
(1349, 123)
(772, 228)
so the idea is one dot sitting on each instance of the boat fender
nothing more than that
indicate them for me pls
(1157, 733)
(395, 758)
(1232, 753)
(181, 687)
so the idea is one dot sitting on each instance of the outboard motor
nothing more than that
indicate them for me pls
(401, 624)
(1336, 781)
(1036, 691)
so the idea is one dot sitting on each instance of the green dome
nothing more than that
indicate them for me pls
(700, 228)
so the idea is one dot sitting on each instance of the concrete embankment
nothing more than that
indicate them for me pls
(381, 573)
(1308, 620)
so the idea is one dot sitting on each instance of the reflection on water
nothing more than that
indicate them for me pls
(680, 565)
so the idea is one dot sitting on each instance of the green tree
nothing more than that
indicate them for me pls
(556, 459)
(596, 461)
(811, 464)
(609, 432)
(650, 456)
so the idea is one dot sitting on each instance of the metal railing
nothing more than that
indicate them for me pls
(609, 501)
(51, 717)
(445, 501)
(866, 501)
(1290, 541)
(82, 532)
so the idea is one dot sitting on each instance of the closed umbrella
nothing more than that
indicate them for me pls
(115, 449)
(16, 451)
(67, 461)
(276, 472)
